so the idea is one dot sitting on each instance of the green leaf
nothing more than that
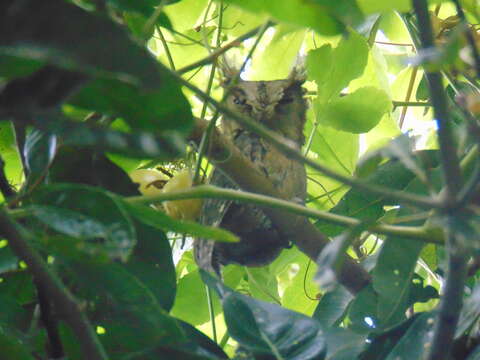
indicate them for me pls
(160, 220)
(87, 166)
(363, 311)
(414, 343)
(470, 312)
(122, 304)
(74, 39)
(343, 344)
(137, 144)
(8, 260)
(332, 256)
(99, 206)
(39, 151)
(263, 284)
(145, 7)
(350, 58)
(332, 306)
(158, 109)
(357, 112)
(151, 260)
(265, 328)
(296, 12)
(12, 348)
(129, 86)
(191, 301)
(382, 343)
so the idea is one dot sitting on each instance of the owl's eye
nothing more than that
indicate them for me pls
(239, 101)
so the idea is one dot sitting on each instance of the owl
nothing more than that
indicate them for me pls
(280, 106)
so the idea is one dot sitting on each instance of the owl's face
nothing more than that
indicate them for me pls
(278, 104)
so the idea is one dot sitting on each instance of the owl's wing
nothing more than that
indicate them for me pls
(213, 211)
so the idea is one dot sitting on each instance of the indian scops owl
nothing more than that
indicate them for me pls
(279, 105)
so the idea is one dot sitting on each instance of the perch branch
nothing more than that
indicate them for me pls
(304, 234)
(62, 299)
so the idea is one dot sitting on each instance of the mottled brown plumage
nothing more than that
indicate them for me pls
(280, 106)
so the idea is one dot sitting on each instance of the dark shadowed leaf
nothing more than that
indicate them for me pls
(269, 329)
(363, 311)
(414, 344)
(122, 304)
(12, 348)
(332, 306)
(152, 263)
(382, 343)
(74, 39)
(87, 166)
(343, 344)
(39, 151)
(100, 206)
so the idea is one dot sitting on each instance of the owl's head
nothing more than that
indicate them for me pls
(278, 104)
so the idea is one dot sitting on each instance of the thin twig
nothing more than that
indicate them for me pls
(63, 300)
(469, 35)
(413, 77)
(214, 55)
(166, 48)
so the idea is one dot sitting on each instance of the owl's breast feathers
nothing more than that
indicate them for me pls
(261, 242)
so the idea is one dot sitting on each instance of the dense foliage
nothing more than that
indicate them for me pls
(99, 96)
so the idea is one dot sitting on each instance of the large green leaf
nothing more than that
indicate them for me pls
(414, 344)
(333, 69)
(357, 112)
(74, 39)
(12, 348)
(95, 206)
(307, 14)
(122, 304)
(86, 166)
(265, 328)
(332, 306)
(193, 308)
(135, 87)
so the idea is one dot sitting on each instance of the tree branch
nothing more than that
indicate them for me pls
(304, 234)
(62, 299)
(451, 302)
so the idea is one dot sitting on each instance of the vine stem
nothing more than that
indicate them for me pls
(209, 191)
(60, 296)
